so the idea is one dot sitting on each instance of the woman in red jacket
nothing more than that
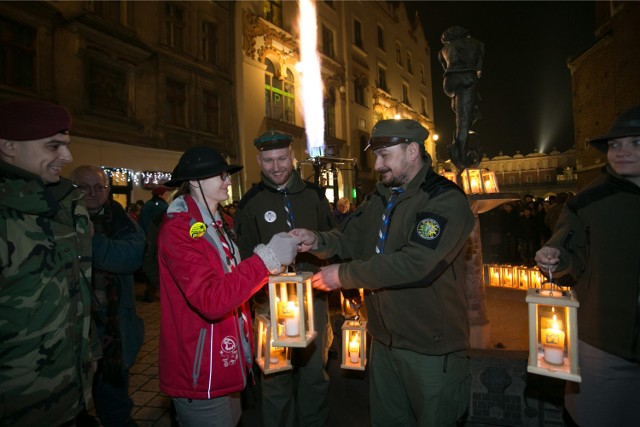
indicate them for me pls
(205, 336)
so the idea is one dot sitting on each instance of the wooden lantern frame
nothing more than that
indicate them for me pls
(291, 295)
(270, 358)
(348, 311)
(564, 304)
(354, 331)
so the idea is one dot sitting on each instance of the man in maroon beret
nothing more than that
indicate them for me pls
(47, 341)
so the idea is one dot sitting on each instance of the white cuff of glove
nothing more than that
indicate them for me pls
(269, 258)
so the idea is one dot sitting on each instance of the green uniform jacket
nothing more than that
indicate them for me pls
(47, 341)
(260, 215)
(598, 235)
(417, 300)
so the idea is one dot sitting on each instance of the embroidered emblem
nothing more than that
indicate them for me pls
(228, 351)
(270, 216)
(428, 229)
(197, 230)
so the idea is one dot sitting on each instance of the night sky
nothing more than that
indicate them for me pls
(525, 84)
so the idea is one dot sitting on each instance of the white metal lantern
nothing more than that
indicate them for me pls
(269, 357)
(354, 344)
(553, 333)
(291, 303)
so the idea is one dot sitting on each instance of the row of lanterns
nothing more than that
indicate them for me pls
(290, 325)
(516, 277)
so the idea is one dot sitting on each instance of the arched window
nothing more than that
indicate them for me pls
(330, 112)
(279, 95)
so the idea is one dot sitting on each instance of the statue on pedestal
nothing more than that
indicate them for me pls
(461, 59)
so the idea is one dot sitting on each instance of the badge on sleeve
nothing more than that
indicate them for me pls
(197, 230)
(428, 229)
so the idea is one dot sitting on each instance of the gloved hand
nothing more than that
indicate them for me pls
(284, 247)
(281, 250)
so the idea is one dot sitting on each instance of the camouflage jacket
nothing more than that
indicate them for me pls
(47, 341)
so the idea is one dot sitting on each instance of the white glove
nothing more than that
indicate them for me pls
(281, 250)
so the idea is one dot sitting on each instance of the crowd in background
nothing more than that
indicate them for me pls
(514, 231)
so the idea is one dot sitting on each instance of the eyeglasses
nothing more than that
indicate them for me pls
(224, 176)
(96, 188)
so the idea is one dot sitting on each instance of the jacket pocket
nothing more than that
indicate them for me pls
(197, 358)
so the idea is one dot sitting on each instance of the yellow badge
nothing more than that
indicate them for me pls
(428, 229)
(197, 230)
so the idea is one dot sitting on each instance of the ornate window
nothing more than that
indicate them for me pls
(382, 78)
(107, 88)
(17, 54)
(176, 101)
(279, 94)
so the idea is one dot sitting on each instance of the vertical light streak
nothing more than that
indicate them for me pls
(311, 80)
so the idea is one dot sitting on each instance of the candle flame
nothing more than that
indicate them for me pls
(311, 81)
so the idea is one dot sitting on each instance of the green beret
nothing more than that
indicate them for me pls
(272, 139)
(387, 133)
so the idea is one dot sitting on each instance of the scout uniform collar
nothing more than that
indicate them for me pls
(294, 185)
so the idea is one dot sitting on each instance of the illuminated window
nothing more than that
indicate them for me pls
(17, 54)
(279, 95)
(272, 11)
(176, 101)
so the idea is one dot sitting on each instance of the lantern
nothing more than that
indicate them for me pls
(291, 303)
(506, 275)
(553, 333)
(489, 181)
(536, 278)
(354, 344)
(351, 305)
(494, 275)
(523, 277)
(269, 357)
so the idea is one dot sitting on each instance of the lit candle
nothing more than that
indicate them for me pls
(495, 279)
(524, 280)
(273, 358)
(354, 350)
(474, 185)
(291, 316)
(553, 343)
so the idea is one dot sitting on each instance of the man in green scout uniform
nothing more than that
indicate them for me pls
(279, 202)
(47, 341)
(406, 242)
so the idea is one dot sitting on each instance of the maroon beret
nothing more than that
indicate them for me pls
(29, 120)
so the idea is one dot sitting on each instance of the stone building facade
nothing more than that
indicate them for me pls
(605, 80)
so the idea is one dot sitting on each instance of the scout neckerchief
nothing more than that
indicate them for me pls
(386, 219)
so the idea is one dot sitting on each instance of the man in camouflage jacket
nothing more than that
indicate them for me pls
(47, 342)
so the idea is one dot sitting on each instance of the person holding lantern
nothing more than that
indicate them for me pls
(279, 202)
(595, 248)
(206, 347)
(406, 242)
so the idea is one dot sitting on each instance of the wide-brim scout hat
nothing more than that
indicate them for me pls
(272, 140)
(627, 124)
(199, 163)
(29, 120)
(387, 133)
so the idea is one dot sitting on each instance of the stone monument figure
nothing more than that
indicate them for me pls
(461, 58)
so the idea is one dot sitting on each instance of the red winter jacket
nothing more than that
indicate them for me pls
(201, 354)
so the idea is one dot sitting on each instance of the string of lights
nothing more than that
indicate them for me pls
(124, 175)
